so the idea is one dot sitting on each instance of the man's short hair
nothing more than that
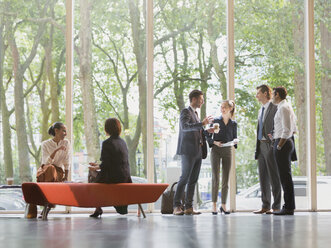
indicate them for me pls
(265, 88)
(195, 94)
(282, 92)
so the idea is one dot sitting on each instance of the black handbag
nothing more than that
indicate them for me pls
(168, 200)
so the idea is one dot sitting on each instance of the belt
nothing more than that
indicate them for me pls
(265, 141)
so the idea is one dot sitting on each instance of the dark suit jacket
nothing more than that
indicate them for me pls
(190, 133)
(114, 165)
(268, 126)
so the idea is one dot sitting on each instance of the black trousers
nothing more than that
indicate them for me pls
(283, 161)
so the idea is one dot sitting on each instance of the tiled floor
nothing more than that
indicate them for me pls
(112, 230)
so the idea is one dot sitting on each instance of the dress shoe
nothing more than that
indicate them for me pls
(261, 211)
(178, 211)
(285, 211)
(272, 211)
(98, 212)
(190, 211)
(223, 211)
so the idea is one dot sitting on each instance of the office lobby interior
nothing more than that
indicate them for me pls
(80, 62)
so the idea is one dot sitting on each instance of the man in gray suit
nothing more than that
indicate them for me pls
(190, 146)
(268, 172)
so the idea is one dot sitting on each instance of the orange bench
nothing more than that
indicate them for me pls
(90, 195)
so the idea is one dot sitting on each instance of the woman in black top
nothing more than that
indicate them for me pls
(114, 165)
(227, 132)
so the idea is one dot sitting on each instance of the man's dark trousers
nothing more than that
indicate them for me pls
(283, 160)
(190, 174)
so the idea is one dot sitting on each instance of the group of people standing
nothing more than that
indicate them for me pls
(274, 151)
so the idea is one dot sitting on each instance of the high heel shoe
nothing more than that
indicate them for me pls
(97, 213)
(223, 211)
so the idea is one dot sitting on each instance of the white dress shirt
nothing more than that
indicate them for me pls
(61, 157)
(284, 121)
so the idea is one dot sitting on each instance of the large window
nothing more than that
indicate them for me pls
(110, 81)
(323, 96)
(190, 51)
(32, 78)
(269, 47)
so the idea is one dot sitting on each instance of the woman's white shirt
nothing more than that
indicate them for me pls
(61, 157)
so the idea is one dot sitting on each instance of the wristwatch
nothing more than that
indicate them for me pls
(279, 148)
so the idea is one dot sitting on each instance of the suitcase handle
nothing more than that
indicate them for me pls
(172, 187)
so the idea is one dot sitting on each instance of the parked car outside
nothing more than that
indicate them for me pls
(11, 198)
(250, 198)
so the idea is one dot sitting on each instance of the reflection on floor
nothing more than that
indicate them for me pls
(112, 230)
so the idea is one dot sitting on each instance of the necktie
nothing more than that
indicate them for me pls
(197, 118)
(259, 135)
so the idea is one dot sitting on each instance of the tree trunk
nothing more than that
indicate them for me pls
(299, 84)
(85, 74)
(132, 146)
(21, 134)
(326, 85)
(35, 152)
(22, 140)
(19, 70)
(6, 131)
(204, 71)
(50, 74)
(6, 136)
(178, 83)
(45, 111)
(213, 32)
(138, 37)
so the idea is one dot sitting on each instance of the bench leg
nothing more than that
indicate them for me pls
(30, 211)
(45, 212)
(142, 210)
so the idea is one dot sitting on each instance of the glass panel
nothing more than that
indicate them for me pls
(269, 49)
(110, 81)
(323, 96)
(190, 53)
(32, 77)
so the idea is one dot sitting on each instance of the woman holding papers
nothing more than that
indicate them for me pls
(221, 142)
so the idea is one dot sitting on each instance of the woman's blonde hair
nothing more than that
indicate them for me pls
(231, 105)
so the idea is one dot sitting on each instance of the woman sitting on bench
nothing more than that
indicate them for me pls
(55, 155)
(114, 167)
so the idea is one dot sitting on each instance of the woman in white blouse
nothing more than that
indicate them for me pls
(55, 156)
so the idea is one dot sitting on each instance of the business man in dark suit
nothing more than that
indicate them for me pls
(268, 171)
(190, 147)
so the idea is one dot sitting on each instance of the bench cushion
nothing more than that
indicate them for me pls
(91, 194)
